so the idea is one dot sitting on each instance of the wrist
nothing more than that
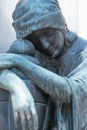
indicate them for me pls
(11, 82)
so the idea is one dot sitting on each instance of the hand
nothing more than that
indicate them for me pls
(24, 109)
(22, 100)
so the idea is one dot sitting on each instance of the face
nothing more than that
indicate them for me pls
(48, 41)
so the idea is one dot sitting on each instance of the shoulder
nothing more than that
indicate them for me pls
(79, 54)
(81, 43)
(78, 49)
(82, 48)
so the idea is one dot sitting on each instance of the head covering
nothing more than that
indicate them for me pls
(31, 15)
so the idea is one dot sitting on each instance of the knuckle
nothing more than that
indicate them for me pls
(15, 115)
(28, 116)
(34, 113)
(22, 117)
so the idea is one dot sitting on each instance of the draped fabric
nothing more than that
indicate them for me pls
(73, 65)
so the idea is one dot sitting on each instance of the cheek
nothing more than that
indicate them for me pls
(58, 49)
(60, 46)
(60, 43)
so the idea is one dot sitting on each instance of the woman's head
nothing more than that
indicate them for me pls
(39, 17)
(48, 41)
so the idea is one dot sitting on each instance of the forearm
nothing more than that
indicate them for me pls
(54, 85)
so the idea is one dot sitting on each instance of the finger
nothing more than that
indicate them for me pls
(16, 118)
(29, 120)
(23, 120)
(34, 117)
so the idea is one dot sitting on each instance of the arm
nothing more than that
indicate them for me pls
(51, 83)
(22, 100)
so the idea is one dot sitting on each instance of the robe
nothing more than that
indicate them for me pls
(71, 114)
(73, 66)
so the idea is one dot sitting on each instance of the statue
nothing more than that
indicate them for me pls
(53, 58)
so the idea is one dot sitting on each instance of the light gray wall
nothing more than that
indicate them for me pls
(7, 34)
(70, 9)
(83, 18)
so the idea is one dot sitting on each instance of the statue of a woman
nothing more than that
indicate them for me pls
(61, 73)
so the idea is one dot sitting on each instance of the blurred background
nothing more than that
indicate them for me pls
(73, 10)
